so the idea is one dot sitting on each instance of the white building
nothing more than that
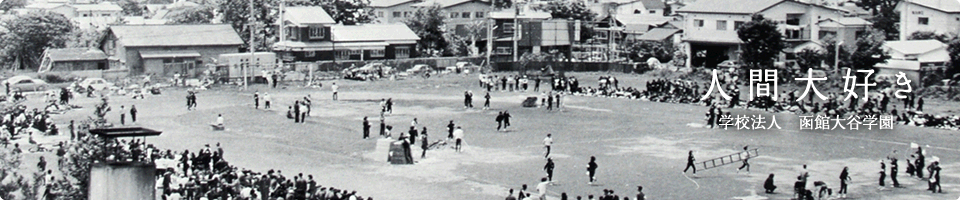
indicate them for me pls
(84, 15)
(914, 58)
(939, 16)
(710, 26)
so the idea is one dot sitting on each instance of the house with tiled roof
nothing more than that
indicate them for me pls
(310, 35)
(939, 16)
(710, 26)
(915, 58)
(641, 7)
(393, 11)
(165, 50)
(69, 60)
(459, 11)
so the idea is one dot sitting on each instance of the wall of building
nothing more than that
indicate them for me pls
(207, 54)
(121, 182)
(710, 28)
(938, 21)
(385, 15)
(631, 8)
(470, 7)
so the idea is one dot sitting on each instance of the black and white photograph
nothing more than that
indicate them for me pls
(479, 99)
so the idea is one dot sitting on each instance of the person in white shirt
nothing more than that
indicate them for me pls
(266, 100)
(546, 144)
(334, 88)
(542, 188)
(458, 136)
(414, 123)
(219, 120)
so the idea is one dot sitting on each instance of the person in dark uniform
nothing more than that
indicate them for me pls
(690, 164)
(486, 101)
(499, 120)
(592, 169)
(450, 127)
(296, 112)
(549, 169)
(920, 162)
(920, 103)
(768, 185)
(536, 84)
(893, 172)
(506, 119)
(383, 127)
(883, 173)
(366, 128)
(935, 177)
(256, 100)
(844, 180)
(413, 135)
(123, 116)
(424, 145)
(549, 102)
(133, 113)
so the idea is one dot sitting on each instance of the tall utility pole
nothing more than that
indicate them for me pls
(516, 30)
(253, 25)
(490, 24)
(836, 59)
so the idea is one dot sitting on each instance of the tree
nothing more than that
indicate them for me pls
(464, 39)
(809, 58)
(428, 24)
(762, 42)
(131, 8)
(954, 48)
(502, 4)
(197, 15)
(237, 14)
(568, 10)
(830, 56)
(885, 17)
(6, 5)
(82, 38)
(347, 12)
(644, 50)
(930, 35)
(29, 35)
(869, 51)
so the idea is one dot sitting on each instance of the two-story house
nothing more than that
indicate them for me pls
(83, 15)
(536, 32)
(939, 16)
(310, 35)
(393, 11)
(164, 50)
(641, 7)
(710, 26)
(459, 11)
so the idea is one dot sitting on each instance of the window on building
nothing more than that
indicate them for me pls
(454, 15)
(406, 14)
(794, 19)
(653, 11)
(343, 55)
(721, 25)
(316, 32)
(292, 33)
(508, 28)
(824, 34)
(737, 24)
(502, 50)
(310, 54)
(396, 14)
(402, 52)
(465, 15)
(380, 14)
(378, 53)
(923, 21)
(105, 14)
(478, 15)
(698, 22)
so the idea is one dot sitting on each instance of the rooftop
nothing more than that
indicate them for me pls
(307, 15)
(372, 32)
(387, 3)
(913, 47)
(951, 6)
(446, 3)
(75, 54)
(653, 4)
(509, 14)
(658, 34)
(728, 6)
(176, 35)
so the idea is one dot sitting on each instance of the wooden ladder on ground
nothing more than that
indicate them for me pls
(725, 160)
